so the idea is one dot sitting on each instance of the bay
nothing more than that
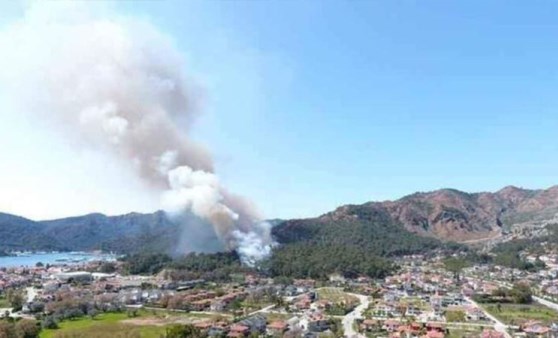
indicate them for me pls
(53, 258)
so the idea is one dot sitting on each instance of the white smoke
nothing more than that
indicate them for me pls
(254, 245)
(119, 85)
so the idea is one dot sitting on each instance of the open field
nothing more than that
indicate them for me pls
(335, 295)
(417, 302)
(119, 325)
(460, 333)
(455, 316)
(518, 313)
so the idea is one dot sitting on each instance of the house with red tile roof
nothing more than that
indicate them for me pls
(491, 334)
(238, 330)
(535, 329)
(277, 328)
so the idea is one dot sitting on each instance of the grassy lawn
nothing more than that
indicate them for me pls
(113, 330)
(455, 316)
(116, 325)
(336, 295)
(416, 301)
(102, 320)
(518, 313)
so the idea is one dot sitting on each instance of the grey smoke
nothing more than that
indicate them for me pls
(119, 85)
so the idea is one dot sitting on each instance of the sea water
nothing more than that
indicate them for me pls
(54, 258)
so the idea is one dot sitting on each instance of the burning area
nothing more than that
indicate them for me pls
(119, 85)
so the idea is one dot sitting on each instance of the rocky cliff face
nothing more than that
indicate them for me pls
(450, 214)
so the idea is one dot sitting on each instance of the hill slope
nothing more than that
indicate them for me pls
(375, 228)
(359, 243)
(359, 239)
(449, 214)
(127, 233)
(18, 233)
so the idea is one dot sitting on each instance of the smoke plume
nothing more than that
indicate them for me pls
(120, 85)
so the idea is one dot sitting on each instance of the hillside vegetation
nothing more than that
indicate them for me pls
(125, 234)
(351, 240)
(363, 244)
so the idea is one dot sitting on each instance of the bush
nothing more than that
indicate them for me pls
(27, 329)
(49, 323)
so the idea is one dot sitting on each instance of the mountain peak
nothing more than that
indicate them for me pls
(510, 189)
(451, 214)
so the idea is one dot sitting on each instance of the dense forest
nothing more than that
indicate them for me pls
(365, 245)
(209, 266)
(312, 248)
(300, 260)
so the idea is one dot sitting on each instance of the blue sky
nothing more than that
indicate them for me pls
(314, 104)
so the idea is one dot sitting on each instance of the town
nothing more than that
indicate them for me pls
(431, 297)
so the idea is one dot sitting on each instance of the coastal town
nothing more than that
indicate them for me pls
(432, 297)
(272, 168)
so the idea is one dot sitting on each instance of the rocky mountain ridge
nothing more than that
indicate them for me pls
(450, 214)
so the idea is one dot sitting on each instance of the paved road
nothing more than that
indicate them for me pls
(545, 302)
(264, 310)
(498, 326)
(31, 294)
(350, 318)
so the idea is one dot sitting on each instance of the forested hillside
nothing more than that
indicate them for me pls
(361, 245)
(125, 234)
(352, 240)
(18, 233)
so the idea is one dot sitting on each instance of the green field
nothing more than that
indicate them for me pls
(416, 301)
(336, 295)
(118, 325)
(455, 316)
(518, 313)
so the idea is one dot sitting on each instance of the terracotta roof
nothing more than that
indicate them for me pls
(491, 334)
(278, 325)
(203, 325)
(391, 322)
(239, 328)
(434, 334)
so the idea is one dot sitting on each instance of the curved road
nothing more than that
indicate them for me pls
(546, 303)
(349, 319)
